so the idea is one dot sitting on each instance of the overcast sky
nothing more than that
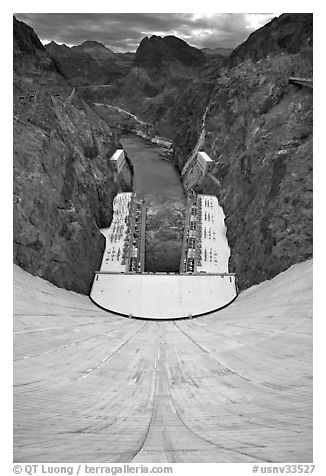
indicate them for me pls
(124, 31)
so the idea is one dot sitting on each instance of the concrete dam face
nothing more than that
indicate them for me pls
(233, 386)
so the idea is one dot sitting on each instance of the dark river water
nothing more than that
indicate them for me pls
(158, 182)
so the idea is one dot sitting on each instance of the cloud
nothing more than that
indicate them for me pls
(124, 31)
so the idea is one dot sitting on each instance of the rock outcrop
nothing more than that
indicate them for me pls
(63, 182)
(155, 52)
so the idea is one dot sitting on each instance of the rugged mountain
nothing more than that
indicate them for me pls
(95, 49)
(90, 63)
(61, 50)
(289, 33)
(162, 68)
(74, 65)
(63, 182)
(29, 54)
(258, 130)
(145, 83)
(155, 52)
(148, 82)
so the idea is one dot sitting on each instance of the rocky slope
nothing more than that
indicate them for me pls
(94, 49)
(289, 33)
(90, 63)
(72, 64)
(63, 182)
(163, 68)
(258, 129)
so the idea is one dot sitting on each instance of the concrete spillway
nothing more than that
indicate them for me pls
(233, 386)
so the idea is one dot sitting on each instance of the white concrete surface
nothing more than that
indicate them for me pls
(162, 296)
(234, 386)
(116, 234)
(215, 250)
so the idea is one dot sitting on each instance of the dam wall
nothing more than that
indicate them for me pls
(162, 296)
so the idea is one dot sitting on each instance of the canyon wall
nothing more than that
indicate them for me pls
(242, 111)
(257, 127)
(63, 181)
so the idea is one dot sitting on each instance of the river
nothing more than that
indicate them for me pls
(158, 182)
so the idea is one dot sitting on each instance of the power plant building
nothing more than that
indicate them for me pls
(118, 160)
(204, 161)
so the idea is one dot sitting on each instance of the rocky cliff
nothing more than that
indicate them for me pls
(258, 129)
(90, 63)
(155, 52)
(63, 182)
(289, 33)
